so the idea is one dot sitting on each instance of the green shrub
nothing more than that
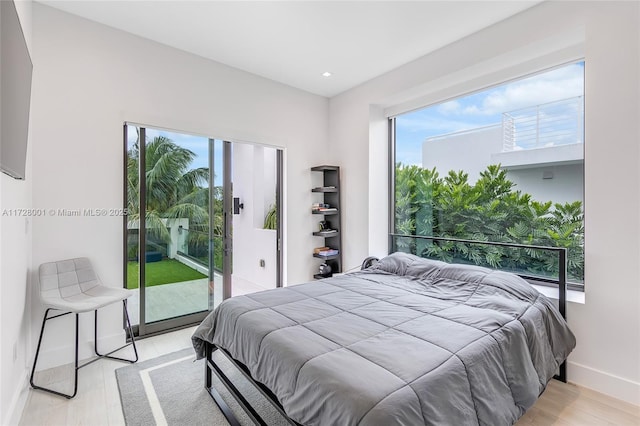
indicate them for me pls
(271, 219)
(490, 210)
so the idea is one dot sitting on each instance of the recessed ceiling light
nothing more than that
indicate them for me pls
(326, 74)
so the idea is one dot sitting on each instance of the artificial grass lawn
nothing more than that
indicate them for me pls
(164, 272)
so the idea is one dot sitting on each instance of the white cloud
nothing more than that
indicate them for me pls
(450, 107)
(562, 83)
(485, 108)
(472, 110)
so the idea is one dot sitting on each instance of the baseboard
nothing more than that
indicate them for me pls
(18, 402)
(603, 382)
(62, 355)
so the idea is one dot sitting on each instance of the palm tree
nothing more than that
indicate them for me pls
(173, 190)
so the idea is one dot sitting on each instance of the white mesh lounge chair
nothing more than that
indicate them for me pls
(71, 286)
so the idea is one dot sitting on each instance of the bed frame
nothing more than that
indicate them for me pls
(212, 368)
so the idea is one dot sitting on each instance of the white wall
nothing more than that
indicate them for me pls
(88, 80)
(607, 326)
(15, 262)
(565, 185)
(469, 151)
(254, 182)
(473, 150)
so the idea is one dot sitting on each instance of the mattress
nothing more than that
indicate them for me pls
(408, 341)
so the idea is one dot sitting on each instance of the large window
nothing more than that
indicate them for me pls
(503, 164)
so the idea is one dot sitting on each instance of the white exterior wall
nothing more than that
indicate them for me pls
(255, 186)
(607, 325)
(565, 186)
(469, 151)
(174, 230)
(88, 80)
(474, 150)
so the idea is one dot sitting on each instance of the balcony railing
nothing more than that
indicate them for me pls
(545, 125)
(195, 245)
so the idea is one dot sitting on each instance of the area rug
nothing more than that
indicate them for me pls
(169, 390)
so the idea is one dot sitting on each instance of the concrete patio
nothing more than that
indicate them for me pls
(176, 299)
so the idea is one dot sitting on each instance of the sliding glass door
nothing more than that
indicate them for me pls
(174, 215)
(182, 214)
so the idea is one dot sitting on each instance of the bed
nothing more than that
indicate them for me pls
(407, 341)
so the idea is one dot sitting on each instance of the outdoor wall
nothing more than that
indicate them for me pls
(88, 80)
(264, 182)
(177, 238)
(15, 264)
(563, 186)
(255, 186)
(473, 150)
(607, 325)
(469, 151)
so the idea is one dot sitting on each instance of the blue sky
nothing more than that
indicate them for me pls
(483, 108)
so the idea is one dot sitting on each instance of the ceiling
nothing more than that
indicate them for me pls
(295, 42)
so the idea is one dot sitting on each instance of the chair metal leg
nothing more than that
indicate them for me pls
(129, 329)
(35, 361)
(76, 366)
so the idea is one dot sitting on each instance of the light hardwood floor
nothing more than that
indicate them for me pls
(98, 400)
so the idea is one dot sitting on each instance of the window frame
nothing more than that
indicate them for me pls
(392, 144)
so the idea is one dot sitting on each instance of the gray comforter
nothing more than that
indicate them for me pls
(408, 341)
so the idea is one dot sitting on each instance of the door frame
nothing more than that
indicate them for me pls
(143, 329)
(227, 218)
(279, 216)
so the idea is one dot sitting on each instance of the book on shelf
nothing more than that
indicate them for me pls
(330, 252)
(328, 231)
(322, 207)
